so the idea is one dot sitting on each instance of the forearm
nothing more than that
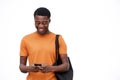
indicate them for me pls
(61, 68)
(23, 68)
(64, 66)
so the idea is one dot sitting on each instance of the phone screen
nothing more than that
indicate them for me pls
(37, 64)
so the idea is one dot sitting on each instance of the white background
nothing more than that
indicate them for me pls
(91, 29)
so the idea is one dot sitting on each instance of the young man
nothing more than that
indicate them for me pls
(39, 48)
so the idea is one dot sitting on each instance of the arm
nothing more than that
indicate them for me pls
(61, 68)
(23, 60)
(64, 66)
(24, 68)
(63, 49)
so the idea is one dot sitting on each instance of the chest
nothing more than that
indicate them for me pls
(41, 45)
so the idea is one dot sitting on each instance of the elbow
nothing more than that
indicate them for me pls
(67, 67)
(22, 69)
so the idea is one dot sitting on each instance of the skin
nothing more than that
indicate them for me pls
(42, 24)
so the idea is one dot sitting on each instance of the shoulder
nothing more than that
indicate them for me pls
(28, 36)
(61, 38)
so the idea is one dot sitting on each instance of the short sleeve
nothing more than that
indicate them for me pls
(62, 45)
(23, 48)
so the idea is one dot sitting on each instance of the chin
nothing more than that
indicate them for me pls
(42, 33)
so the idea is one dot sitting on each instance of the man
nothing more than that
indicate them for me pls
(39, 48)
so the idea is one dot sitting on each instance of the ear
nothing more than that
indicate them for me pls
(49, 20)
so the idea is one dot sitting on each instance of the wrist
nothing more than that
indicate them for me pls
(27, 69)
(53, 69)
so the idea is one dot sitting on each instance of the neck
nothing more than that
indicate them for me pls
(44, 33)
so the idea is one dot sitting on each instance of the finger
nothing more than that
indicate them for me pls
(44, 65)
(40, 67)
(32, 65)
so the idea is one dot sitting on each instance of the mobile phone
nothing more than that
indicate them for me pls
(38, 64)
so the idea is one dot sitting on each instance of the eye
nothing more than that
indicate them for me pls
(37, 23)
(45, 22)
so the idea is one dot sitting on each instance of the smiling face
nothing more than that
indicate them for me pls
(42, 24)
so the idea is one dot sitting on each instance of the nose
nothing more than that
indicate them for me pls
(40, 25)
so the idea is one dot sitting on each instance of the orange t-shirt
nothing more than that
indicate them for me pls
(41, 49)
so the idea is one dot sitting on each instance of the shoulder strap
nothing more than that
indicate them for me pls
(57, 46)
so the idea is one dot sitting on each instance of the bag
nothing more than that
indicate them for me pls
(68, 75)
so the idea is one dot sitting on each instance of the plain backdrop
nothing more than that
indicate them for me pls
(91, 29)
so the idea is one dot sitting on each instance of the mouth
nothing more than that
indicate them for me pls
(41, 30)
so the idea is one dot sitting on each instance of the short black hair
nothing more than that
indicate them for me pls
(42, 11)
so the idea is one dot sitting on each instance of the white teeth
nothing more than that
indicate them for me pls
(41, 29)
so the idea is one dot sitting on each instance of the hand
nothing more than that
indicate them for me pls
(45, 68)
(32, 68)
